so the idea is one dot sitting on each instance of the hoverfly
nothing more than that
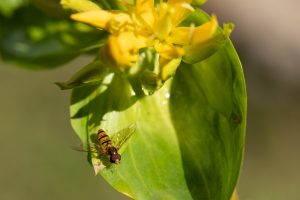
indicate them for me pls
(106, 146)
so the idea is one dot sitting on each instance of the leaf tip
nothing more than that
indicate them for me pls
(62, 85)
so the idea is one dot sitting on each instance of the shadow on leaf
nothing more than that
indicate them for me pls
(208, 107)
(116, 96)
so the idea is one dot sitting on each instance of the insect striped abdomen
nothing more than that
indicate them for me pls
(104, 140)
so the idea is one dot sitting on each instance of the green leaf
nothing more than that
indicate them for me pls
(189, 136)
(36, 41)
(209, 117)
(93, 73)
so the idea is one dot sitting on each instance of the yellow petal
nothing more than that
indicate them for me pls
(145, 11)
(124, 47)
(199, 51)
(120, 22)
(168, 68)
(97, 18)
(168, 51)
(204, 32)
(182, 9)
(194, 35)
(163, 23)
(182, 35)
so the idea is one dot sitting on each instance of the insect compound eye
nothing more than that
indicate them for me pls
(115, 158)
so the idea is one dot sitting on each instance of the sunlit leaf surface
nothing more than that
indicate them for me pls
(189, 137)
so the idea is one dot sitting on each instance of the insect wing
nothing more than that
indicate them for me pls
(90, 149)
(120, 137)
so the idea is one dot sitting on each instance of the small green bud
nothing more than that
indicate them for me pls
(150, 81)
(198, 2)
(79, 5)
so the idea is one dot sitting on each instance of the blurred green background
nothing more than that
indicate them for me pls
(37, 161)
(267, 39)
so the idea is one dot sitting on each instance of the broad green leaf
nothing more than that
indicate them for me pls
(189, 136)
(209, 117)
(36, 41)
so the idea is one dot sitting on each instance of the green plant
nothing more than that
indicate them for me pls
(188, 105)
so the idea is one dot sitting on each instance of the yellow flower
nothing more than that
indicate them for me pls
(144, 25)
